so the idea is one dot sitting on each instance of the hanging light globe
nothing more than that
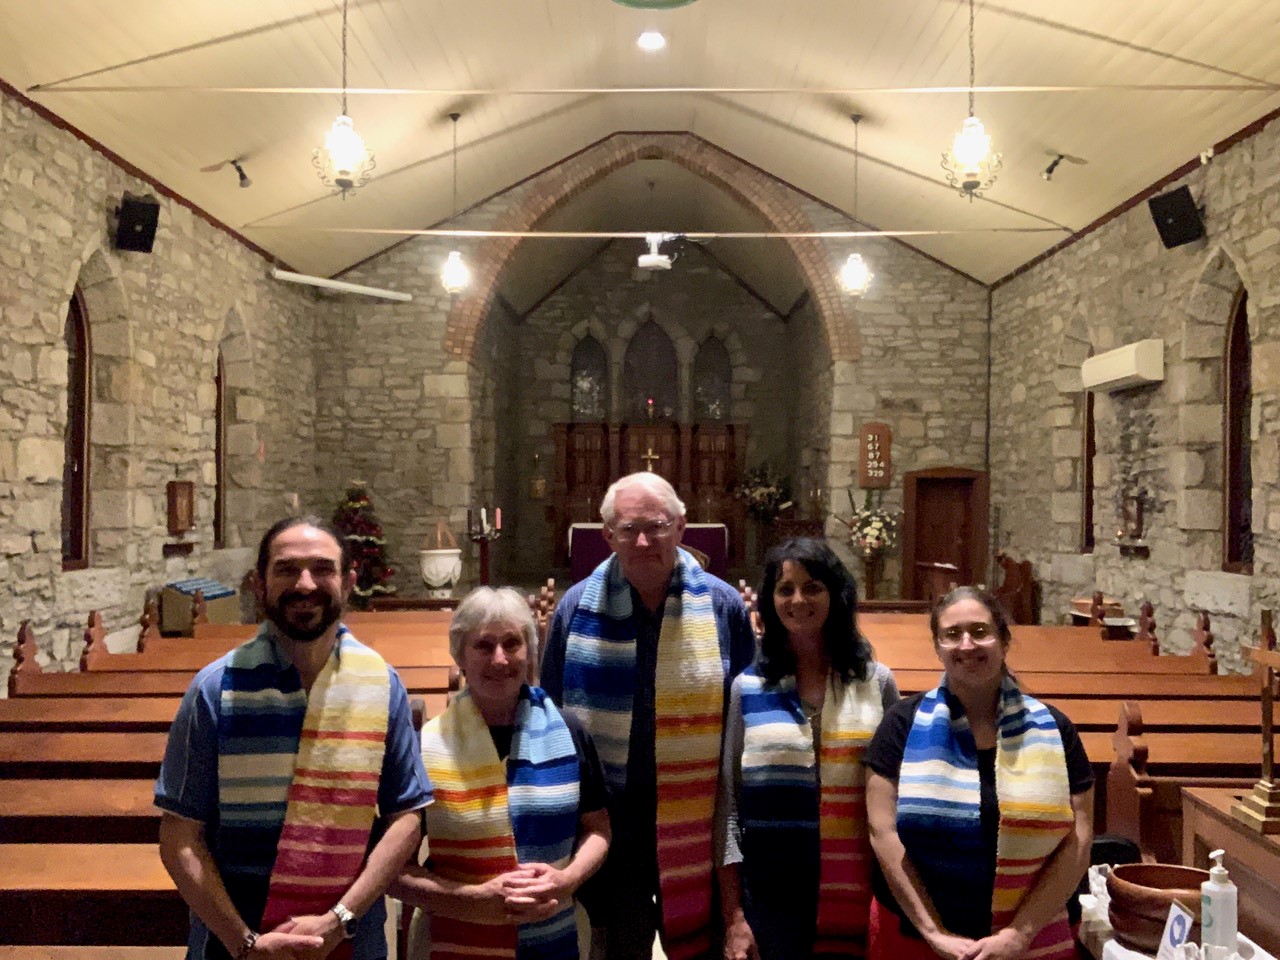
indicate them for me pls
(855, 275)
(971, 166)
(455, 274)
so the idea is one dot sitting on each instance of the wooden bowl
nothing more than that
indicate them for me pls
(1141, 894)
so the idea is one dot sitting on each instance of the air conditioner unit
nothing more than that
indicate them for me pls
(1133, 365)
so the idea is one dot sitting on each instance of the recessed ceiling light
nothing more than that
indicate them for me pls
(651, 41)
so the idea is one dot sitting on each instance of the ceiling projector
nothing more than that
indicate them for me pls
(653, 260)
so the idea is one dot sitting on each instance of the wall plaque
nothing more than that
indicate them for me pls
(875, 465)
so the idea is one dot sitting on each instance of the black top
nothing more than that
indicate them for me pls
(591, 788)
(968, 897)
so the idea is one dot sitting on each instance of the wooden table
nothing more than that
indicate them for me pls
(71, 893)
(1253, 859)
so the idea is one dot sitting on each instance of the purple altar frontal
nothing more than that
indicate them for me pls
(588, 548)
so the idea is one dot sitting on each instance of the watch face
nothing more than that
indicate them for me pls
(349, 928)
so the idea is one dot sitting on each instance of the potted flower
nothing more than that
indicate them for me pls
(873, 532)
(765, 494)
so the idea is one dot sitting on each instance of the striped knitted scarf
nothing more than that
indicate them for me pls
(490, 816)
(808, 818)
(939, 803)
(298, 773)
(599, 677)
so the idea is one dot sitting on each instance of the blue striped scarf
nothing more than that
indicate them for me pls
(599, 680)
(490, 816)
(264, 717)
(804, 817)
(939, 802)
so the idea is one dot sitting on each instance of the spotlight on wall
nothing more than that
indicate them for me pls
(1053, 165)
(245, 182)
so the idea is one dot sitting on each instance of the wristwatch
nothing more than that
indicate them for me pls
(347, 919)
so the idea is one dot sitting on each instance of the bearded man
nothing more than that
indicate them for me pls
(292, 780)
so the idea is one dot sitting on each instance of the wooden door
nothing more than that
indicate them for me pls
(582, 474)
(944, 521)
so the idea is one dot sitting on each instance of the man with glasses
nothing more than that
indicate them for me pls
(642, 651)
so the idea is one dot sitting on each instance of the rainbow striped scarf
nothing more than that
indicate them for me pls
(805, 818)
(939, 803)
(298, 774)
(490, 816)
(599, 677)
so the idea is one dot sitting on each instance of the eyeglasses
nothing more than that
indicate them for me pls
(653, 530)
(980, 634)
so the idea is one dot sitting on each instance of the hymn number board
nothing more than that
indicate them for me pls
(875, 464)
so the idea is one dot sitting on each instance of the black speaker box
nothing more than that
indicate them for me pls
(1176, 217)
(137, 228)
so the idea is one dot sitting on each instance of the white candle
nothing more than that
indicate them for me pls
(484, 522)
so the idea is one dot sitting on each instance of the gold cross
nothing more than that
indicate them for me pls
(648, 457)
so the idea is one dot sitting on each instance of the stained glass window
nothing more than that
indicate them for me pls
(589, 381)
(712, 376)
(650, 376)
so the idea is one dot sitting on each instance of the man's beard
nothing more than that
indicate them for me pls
(304, 617)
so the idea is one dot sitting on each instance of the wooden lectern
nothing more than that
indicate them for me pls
(1260, 808)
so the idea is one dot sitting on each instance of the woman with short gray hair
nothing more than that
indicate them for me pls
(520, 819)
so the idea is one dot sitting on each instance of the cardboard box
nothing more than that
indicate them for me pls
(221, 601)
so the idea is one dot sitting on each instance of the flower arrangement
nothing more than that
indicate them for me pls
(764, 492)
(873, 530)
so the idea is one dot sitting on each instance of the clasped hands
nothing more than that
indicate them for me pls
(1006, 944)
(310, 937)
(527, 894)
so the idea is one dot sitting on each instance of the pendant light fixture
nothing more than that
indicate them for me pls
(343, 164)
(455, 275)
(855, 275)
(970, 165)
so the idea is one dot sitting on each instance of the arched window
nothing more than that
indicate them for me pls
(712, 376)
(1238, 472)
(1088, 447)
(589, 381)
(75, 438)
(650, 375)
(220, 453)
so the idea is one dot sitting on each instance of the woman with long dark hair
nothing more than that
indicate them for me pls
(791, 825)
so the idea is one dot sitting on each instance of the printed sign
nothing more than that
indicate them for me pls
(1176, 930)
(875, 465)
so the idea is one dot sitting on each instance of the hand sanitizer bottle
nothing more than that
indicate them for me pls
(1218, 906)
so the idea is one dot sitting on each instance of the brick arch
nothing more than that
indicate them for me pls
(757, 191)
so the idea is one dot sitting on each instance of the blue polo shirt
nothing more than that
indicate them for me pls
(188, 786)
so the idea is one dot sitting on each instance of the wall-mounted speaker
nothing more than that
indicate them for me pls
(137, 227)
(1176, 217)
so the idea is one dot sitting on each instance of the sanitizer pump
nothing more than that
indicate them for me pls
(1218, 906)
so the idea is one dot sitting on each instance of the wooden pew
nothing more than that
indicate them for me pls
(88, 894)
(1146, 777)
(418, 681)
(103, 714)
(80, 952)
(1151, 686)
(78, 811)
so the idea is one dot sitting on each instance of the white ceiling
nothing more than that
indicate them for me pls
(1129, 138)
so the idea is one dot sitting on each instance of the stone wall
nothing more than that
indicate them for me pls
(1115, 286)
(156, 322)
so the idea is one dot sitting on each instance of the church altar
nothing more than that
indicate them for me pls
(703, 461)
(588, 547)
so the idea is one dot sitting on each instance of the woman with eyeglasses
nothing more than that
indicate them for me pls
(791, 825)
(980, 799)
